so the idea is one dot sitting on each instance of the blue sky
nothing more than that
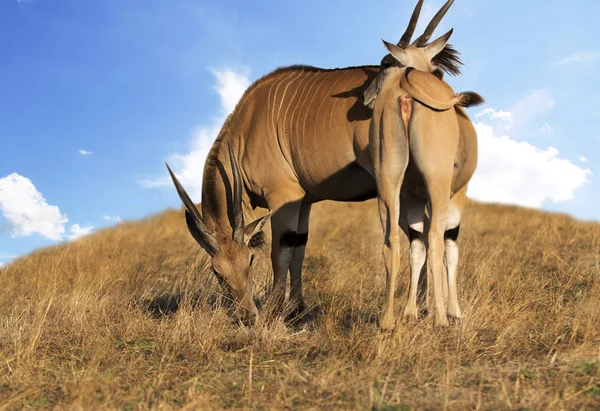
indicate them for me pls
(135, 82)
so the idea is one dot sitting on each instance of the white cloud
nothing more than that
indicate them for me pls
(546, 129)
(505, 118)
(189, 167)
(527, 116)
(514, 172)
(230, 87)
(85, 152)
(583, 159)
(113, 219)
(534, 108)
(579, 57)
(76, 231)
(495, 114)
(27, 210)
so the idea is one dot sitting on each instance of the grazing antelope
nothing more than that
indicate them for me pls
(297, 136)
(421, 161)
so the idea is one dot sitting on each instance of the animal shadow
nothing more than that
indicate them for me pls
(302, 316)
(166, 305)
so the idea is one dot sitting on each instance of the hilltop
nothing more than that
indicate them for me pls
(81, 326)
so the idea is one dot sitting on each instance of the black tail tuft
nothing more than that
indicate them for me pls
(439, 73)
(470, 98)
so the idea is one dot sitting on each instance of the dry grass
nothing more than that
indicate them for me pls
(77, 329)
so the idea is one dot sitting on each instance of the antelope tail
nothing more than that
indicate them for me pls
(417, 83)
(466, 99)
(469, 99)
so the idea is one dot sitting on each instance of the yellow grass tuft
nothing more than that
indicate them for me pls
(131, 318)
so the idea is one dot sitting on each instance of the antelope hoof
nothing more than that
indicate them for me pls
(411, 312)
(454, 314)
(277, 303)
(441, 321)
(388, 323)
(247, 318)
(295, 309)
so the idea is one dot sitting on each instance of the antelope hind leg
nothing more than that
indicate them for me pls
(451, 253)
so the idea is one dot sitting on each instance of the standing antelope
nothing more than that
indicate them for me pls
(421, 160)
(300, 135)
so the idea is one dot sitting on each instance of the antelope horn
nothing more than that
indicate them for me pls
(238, 214)
(410, 29)
(419, 42)
(205, 233)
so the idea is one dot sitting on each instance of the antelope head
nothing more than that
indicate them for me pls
(231, 256)
(436, 56)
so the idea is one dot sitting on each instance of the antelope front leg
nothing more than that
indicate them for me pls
(455, 211)
(451, 262)
(284, 223)
(413, 223)
(418, 255)
(296, 300)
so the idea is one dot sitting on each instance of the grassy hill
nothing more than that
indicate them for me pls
(80, 325)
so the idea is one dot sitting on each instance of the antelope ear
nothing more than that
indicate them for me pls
(397, 52)
(436, 46)
(253, 236)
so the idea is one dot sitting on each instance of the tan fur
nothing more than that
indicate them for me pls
(425, 88)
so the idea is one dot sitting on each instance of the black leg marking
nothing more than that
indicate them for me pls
(293, 239)
(302, 239)
(414, 235)
(452, 234)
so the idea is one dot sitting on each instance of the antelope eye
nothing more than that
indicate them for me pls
(251, 259)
